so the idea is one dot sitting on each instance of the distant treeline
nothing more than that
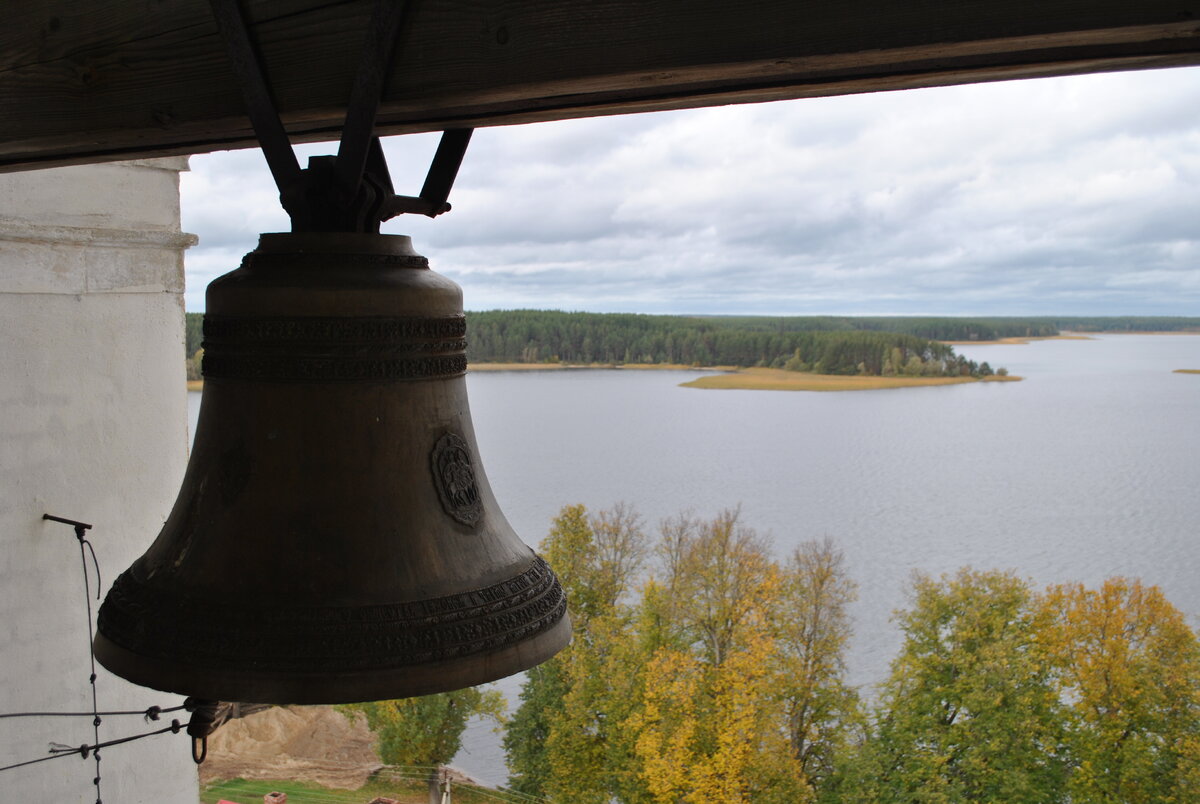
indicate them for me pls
(552, 336)
(1127, 323)
(533, 336)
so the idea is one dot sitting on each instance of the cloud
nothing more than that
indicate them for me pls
(1074, 195)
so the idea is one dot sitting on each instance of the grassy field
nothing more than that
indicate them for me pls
(249, 791)
(764, 379)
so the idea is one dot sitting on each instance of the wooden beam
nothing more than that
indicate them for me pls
(120, 79)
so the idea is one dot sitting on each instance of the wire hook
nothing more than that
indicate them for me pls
(199, 749)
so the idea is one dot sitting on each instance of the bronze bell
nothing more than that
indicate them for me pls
(335, 538)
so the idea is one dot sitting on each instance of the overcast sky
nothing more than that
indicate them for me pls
(1068, 196)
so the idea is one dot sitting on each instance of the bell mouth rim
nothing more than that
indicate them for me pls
(268, 685)
(150, 635)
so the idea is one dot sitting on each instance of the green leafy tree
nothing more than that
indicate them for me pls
(427, 731)
(590, 750)
(561, 740)
(568, 548)
(528, 729)
(969, 713)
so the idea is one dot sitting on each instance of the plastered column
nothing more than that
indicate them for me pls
(93, 426)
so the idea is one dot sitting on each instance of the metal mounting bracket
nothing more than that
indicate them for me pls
(350, 192)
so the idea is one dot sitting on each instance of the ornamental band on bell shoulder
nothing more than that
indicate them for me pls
(333, 349)
(144, 620)
(290, 260)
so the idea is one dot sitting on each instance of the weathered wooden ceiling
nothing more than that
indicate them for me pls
(113, 79)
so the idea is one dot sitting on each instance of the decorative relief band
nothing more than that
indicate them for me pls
(330, 329)
(162, 625)
(327, 349)
(286, 368)
(256, 259)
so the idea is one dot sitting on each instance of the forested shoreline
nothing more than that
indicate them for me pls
(532, 336)
(874, 346)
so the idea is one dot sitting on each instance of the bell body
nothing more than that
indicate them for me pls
(335, 538)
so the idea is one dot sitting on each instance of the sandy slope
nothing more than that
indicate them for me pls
(306, 743)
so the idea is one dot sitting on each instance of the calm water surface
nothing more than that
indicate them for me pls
(1088, 468)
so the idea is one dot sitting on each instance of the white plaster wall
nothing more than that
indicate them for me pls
(93, 426)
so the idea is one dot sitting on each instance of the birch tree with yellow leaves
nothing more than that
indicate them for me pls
(709, 603)
(745, 697)
(1129, 666)
(712, 734)
(813, 631)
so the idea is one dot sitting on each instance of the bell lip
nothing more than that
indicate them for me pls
(298, 688)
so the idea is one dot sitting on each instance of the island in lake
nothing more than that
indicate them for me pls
(766, 379)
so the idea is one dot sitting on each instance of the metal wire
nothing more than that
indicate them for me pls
(84, 750)
(79, 534)
(152, 713)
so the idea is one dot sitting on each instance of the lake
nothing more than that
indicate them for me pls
(1088, 468)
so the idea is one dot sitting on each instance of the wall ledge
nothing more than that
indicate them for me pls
(23, 231)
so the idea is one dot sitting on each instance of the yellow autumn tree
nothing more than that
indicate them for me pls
(667, 723)
(713, 734)
(1130, 667)
(717, 574)
(712, 724)
(751, 760)
(716, 683)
